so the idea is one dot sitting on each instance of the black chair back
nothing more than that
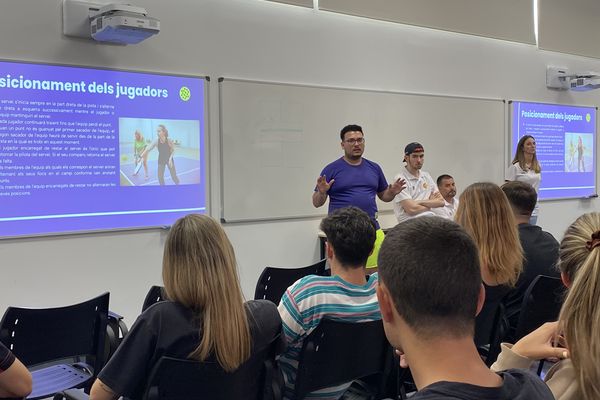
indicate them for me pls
(339, 352)
(154, 295)
(541, 303)
(63, 347)
(491, 327)
(484, 324)
(177, 379)
(273, 282)
(37, 336)
(116, 330)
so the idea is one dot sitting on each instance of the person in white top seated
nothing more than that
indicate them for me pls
(526, 168)
(421, 194)
(447, 188)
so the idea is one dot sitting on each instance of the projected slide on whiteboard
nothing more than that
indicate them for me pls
(565, 146)
(88, 149)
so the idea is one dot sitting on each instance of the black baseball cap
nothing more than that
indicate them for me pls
(413, 147)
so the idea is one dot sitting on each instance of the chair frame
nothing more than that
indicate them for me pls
(490, 349)
(274, 281)
(43, 339)
(155, 294)
(343, 352)
(533, 314)
(529, 306)
(116, 330)
(167, 370)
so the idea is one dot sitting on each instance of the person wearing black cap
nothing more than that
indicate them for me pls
(421, 193)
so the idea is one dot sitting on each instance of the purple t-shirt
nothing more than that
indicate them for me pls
(355, 185)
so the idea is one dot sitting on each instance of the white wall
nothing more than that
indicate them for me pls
(263, 41)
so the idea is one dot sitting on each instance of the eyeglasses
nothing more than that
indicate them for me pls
(355, 141)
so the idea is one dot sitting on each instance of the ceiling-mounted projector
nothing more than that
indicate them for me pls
(123, 24)
(583, 84)
(562, 79)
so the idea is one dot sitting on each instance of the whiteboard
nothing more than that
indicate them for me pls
(276, 138)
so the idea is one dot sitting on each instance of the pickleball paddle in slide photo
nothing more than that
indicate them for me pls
(138, 165)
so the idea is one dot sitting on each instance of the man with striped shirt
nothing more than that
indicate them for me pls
(346, 295)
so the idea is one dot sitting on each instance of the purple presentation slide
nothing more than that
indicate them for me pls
(565, 139)
(85, 149)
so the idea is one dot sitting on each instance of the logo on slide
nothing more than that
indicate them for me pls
(588, 117)
(184, 93)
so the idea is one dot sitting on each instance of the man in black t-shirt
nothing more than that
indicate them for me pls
(539, 247)
(15, 379)
(429, 293)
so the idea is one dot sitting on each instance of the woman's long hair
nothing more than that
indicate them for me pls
(579, 260)
(164, 129)
(200, 272)
(485, 213)
(520, 156)
(138, 136)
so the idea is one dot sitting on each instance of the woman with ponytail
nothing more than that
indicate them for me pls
(205, 318)
(577, 375)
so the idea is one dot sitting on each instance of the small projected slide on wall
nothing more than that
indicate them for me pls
(565, 139)
(86, 149)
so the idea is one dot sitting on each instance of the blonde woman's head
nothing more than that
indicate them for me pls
(579, 262)
(485, 213)
(200, 272)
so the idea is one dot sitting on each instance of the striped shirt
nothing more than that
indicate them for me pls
(306, 303)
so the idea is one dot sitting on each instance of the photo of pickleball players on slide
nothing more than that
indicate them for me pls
(578, 152)
(139, 145)
(159, 146)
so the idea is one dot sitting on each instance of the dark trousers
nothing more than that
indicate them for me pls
(161, 173)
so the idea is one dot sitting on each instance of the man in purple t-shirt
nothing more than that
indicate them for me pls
(353, 180)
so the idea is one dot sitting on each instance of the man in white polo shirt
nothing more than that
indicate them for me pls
(447, 187)
(421, 194)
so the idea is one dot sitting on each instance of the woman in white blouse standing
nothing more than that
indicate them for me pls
(526, 168)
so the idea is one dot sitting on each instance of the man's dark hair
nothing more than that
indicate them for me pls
(441, 178)
(351, 233)
(350, 128)
(430, 266)
(521, 196)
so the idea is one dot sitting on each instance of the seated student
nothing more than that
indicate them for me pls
(447, 188)
(484, 212)
(429, 293)
(577, 377)
(15, 379)
(346, 295)
(205, 319)
(539, 247)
